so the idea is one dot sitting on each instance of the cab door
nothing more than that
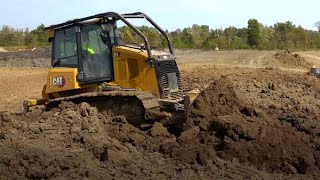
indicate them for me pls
(96, 56)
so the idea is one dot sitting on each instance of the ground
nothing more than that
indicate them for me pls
(256, 118)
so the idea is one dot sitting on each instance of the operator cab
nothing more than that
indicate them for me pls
(88, 47)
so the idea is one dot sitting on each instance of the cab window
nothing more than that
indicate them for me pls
(65, 47)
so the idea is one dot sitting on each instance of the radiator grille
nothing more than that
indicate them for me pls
(167, 68)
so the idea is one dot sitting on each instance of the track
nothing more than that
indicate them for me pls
(141, 109)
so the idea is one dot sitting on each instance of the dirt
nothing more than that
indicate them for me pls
(252, 135)
(287, 58)
(26, 58)
(18, 84)
(248, 123)
(253, 59)
(76, 141)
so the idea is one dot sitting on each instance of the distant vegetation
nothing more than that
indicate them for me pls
(282, 35)
(23, 37)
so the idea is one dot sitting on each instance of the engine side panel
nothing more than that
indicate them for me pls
(131, 70)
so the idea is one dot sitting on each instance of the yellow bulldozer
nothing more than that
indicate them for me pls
(90, 63)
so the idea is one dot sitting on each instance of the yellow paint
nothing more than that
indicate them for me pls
(131, 70)
(69, 76)
(30, 102)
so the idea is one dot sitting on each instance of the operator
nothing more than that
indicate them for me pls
(90, 62)
(86, 44)
(90, 50)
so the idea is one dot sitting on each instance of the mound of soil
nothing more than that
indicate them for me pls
(26, 58)
(26, 54)
(77, 141)
(225, 138)
(248, 134)
(287, 58)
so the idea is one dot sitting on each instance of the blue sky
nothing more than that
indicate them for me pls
(170, 14)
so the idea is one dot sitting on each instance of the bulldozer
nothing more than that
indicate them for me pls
(91, 63)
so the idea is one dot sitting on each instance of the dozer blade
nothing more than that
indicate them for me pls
(188, 101)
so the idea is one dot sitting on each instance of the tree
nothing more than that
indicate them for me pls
(152, 35)
(317, 25)
(41, 36)
(200, 34)
(300, 38)
(254, 33)
(313, 39)
(176, 39)
(127, 34)
(230, 33)
(31, 40)
(283, 35)
(212, 40)
(188, 38)
(266, 37)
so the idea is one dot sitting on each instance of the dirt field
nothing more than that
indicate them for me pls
(257, 119)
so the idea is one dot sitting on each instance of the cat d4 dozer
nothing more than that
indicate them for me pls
(91, 63)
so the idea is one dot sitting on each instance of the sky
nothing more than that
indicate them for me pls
(169, 14)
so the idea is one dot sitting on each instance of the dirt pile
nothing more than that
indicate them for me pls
(248, 134)
(26, 58)
(218, 99)
(225, 137)
(287, 58)
(77, 141)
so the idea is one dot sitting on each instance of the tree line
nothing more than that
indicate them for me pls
(23, 37)
(281, 35)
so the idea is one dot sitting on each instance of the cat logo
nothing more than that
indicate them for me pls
(58, 81)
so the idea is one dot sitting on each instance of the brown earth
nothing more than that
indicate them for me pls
(287, 58)
(28, 58)
(256, 119)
